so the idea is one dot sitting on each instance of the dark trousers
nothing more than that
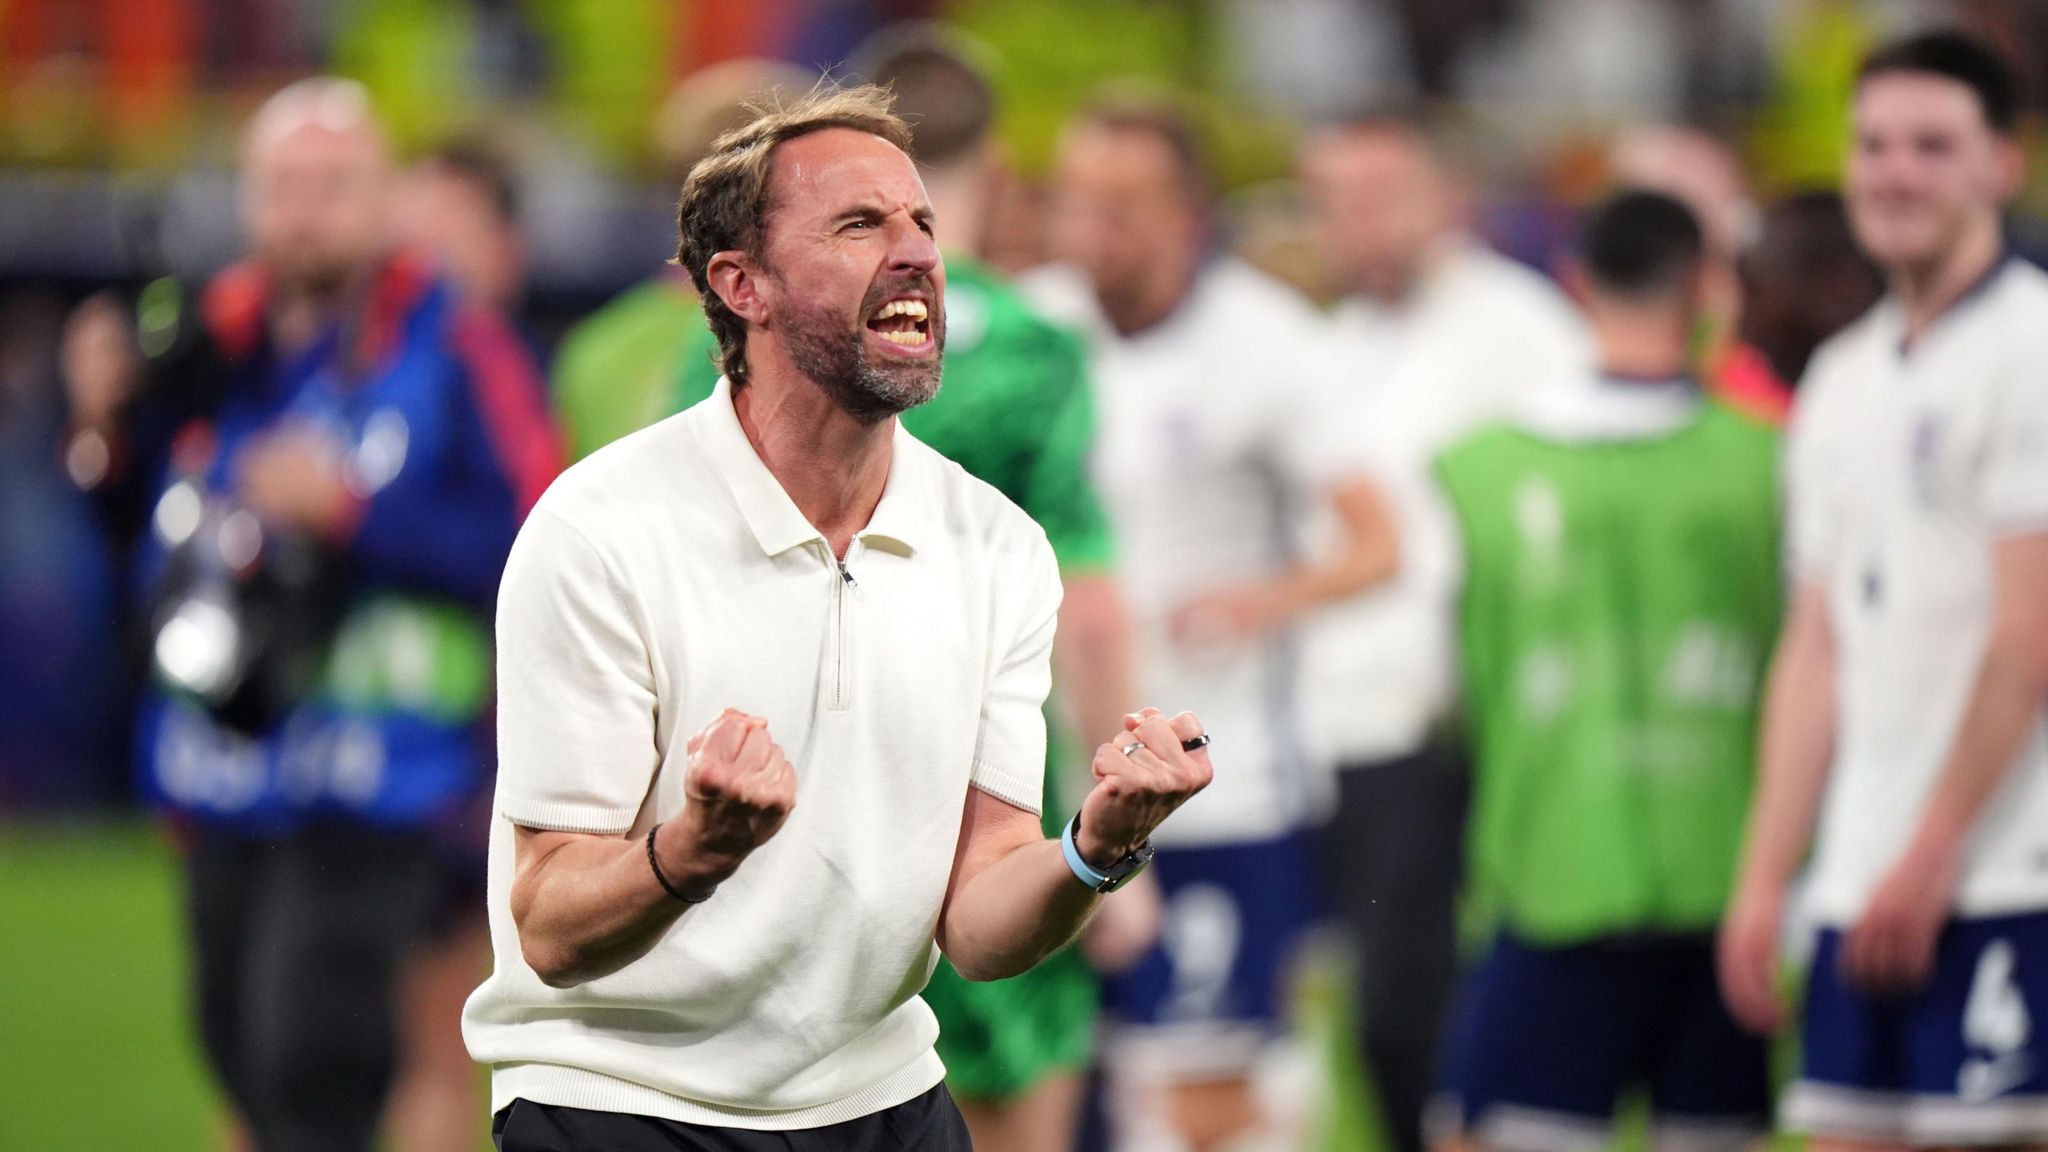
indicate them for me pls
(297, 943)
(929, 1123)
(1394, 857)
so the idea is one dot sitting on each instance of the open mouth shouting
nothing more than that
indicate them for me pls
(904, 323)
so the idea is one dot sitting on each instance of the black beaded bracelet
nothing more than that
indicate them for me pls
(663, 880)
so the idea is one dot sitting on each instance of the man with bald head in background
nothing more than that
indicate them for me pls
(338, 452)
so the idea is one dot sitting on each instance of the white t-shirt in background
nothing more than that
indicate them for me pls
(664, 579)
(1905, 466)
(1481, 334)
(1204, 463)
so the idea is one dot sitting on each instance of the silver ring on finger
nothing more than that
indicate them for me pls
(1131, 749)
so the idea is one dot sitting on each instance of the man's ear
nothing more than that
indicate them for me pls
(737, 280)
(2012, 170)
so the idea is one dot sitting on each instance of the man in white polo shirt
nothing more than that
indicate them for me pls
(1908, 696)
(770, 680)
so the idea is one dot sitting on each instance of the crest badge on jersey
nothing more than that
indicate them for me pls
(1930, 432)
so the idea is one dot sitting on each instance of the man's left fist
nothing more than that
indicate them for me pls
(1141, 777)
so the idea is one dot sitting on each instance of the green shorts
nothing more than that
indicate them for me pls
(999, 1039)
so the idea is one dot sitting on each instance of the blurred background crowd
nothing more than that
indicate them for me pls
(540, 146)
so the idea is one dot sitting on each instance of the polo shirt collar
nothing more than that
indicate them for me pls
(902, 515)
(777, 524)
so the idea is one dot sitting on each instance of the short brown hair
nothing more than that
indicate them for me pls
(1173, 123)
(483, 159)
(1959, 57)
(726, 196)
(942, 91)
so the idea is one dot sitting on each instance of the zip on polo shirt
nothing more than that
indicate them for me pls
(839, 659)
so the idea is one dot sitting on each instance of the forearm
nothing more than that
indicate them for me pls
(1796, 748)
(1092, 656)
(1012, 900)
(1017, 910)
(1367, 553)
(584, 905)
(1304, 588)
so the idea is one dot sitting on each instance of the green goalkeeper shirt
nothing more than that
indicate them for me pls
(617, 370)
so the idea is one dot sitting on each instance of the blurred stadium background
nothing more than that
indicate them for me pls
(118, 128)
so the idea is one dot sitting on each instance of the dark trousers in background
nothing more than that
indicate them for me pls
(1394, 855)
(929, 1123)
(297, 942)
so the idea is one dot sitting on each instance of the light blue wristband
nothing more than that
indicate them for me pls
(1089, 876)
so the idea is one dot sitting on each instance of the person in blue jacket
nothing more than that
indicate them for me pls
(323, 461)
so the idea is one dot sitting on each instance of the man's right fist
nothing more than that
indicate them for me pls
(740, 789)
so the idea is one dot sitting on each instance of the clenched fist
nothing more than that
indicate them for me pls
(1137, 787)
(740, 789)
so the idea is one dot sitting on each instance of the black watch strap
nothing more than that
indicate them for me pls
(1107, 880)
(663, 880)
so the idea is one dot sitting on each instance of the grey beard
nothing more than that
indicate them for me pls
(864, 390)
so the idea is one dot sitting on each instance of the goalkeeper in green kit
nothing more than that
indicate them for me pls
(1620, 598)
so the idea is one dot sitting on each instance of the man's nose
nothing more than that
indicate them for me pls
(1080, 231)
(911, 248)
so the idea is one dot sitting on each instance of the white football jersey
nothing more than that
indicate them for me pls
(1906, 464)
(1481, 335)
(1203, 460)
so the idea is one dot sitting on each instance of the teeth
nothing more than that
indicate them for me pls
(914, 309)
(908, 339)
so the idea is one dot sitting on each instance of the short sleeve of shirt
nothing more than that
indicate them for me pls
(576, 701)
(2014, 491)
(1330, 434)
(1405, 426)
(1312, 440)
(1009, 754)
